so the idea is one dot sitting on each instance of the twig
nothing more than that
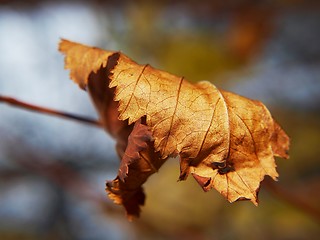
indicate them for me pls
(44, 110)
(292, 199)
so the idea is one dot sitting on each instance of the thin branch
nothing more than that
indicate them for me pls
(44, 110)
(292, 199)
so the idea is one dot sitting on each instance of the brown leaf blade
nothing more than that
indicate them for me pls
(179, 113)
(251, 153)
(139, 161)
(82, 60)
(207, 127)
(225, 141)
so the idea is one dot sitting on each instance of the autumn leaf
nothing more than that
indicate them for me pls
(139, 161)
(224, 141)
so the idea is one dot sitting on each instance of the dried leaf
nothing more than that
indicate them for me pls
(224, 140)
(138, 162)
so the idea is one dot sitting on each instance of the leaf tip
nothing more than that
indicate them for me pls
(130, 199)
(204, 182)
(255, 201)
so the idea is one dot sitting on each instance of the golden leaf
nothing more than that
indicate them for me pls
(224, 140)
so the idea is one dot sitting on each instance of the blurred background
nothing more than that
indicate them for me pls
(53, 170)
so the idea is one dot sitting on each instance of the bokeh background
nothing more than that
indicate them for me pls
(53, 170)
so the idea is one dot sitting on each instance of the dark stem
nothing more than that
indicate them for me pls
(291, 198)
(39, 109)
